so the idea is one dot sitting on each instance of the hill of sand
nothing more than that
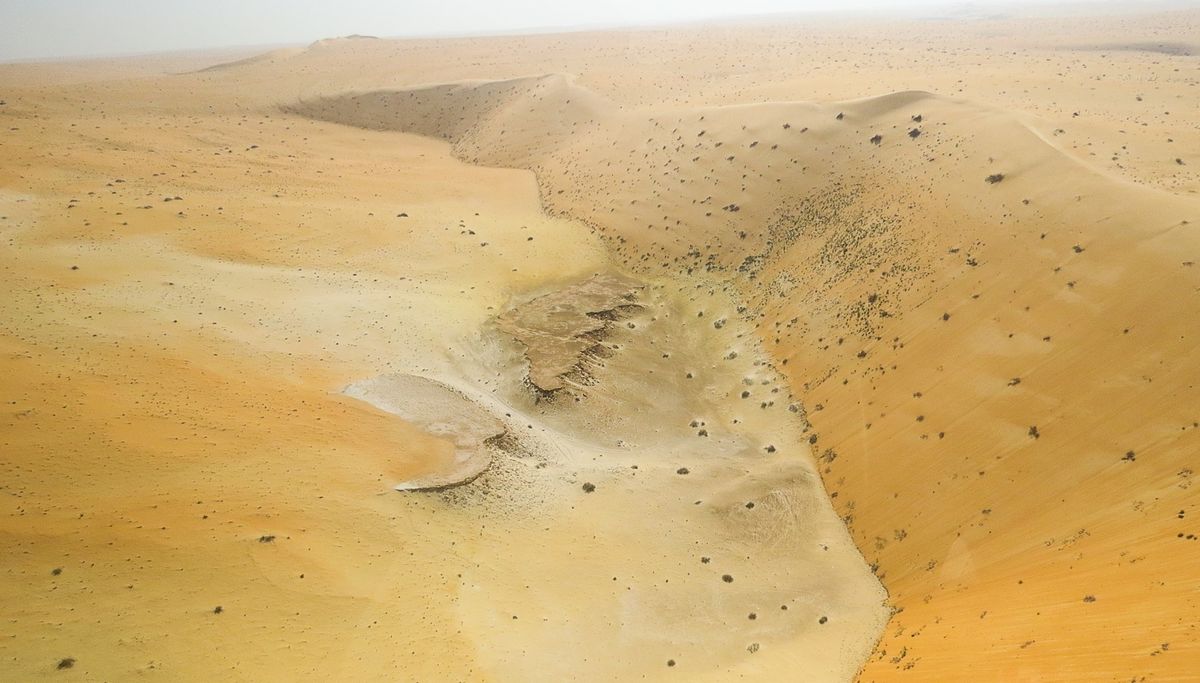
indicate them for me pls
(801, 351)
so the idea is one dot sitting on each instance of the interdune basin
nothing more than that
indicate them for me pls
(823, 349)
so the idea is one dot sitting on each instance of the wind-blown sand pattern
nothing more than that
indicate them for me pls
(867, 361)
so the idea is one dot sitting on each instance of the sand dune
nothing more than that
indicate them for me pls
(745, 352)
(258, 58)
(867, 287)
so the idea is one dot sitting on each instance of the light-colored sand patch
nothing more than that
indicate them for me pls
(442, 412)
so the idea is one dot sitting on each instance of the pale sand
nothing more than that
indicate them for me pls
(441, 412)
(1001, 378)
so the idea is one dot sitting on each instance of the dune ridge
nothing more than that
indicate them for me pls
(863, 288)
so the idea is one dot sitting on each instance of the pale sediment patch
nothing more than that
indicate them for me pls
(561, 329)
(441, 411)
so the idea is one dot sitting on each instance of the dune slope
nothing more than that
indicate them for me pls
(994, 343)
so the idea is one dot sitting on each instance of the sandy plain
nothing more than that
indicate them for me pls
(794, 350)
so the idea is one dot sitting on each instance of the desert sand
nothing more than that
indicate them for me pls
(811, 349)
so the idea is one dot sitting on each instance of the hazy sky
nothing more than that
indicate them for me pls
(59, 28)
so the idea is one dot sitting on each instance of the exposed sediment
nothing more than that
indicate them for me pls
(562, 330)
(441, 411)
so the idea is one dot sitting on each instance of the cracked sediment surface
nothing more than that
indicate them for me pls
(560, 330)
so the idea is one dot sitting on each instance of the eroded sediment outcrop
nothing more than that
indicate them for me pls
(563, 331)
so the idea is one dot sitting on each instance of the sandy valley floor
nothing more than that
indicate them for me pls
(770, 351)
